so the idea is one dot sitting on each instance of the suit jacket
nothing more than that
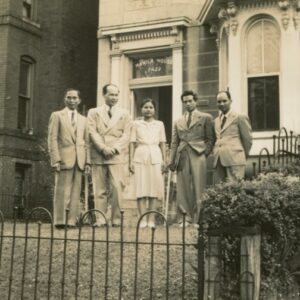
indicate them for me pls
(199, 136)
(233, 141)
(64, 146)
(103, 132)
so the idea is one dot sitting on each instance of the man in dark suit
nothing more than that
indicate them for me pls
(67, 137)
(192, 142)
(233, 141)
(109, 130)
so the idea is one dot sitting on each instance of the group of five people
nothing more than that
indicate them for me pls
(108, 139)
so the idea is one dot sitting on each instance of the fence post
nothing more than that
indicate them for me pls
(212, 270)
(250, 264)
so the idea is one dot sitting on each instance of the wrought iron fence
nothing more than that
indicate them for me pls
(38, 261)
(285, 148)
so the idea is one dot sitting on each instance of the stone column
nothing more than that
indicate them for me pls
(289, 79)
(177, 51)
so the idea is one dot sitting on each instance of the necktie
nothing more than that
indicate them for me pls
(223, 121)
(73, 123)
(109, 113)
(189, 120)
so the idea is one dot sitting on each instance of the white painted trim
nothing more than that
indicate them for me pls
(177, 56)
(150, 82)
(143, 26)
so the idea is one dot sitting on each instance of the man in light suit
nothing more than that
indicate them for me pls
(109, 130)
(192, 142)
(67, 134)
(233, 141)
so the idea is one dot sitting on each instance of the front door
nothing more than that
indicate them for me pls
(162, 95)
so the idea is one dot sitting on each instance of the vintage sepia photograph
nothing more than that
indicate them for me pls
(150, 149)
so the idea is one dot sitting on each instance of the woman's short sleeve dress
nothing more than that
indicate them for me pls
(148, 158)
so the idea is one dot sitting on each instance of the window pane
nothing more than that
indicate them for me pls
(152, 66)
(26, 9)
(24, 78)
(263, 102)
(263, 48)
(254, 49)
(271, 47)
(23, 113)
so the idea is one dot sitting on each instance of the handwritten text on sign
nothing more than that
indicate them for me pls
(152, 66)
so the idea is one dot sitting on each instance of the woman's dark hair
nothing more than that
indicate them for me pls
(146, 100)
(189, 93)
(225, 92)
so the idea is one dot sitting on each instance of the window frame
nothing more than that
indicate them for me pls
(29, 97)
(251, 23)
(32, 5)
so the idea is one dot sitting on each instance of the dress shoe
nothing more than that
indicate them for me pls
(151, 224)
(116, 223)
(60, 226)
(71, 226)
(143, 224)
(184, 224)
(99, 224)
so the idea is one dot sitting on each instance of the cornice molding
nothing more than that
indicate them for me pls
(211, 7)
(144, 26)
(143, 35)
(258, 4)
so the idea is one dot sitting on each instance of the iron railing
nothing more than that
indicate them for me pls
(285, 148)
(38, 261)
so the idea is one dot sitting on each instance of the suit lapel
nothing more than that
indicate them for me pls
(196, 116)
(104, 116)
(218, 125)
(67, 123)
(182, 122)
(80, 126)
(115, 117)
(232, 116)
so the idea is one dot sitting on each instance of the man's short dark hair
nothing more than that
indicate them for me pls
(104, 88)
(225, 92)
(189, 93)
(71, 89)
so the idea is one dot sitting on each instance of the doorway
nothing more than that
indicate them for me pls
(162, 97)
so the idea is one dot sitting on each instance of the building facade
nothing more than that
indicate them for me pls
(45, 48)
(251, 47)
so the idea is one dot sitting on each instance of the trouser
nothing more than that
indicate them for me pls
(67, 196)
(230, 173)
(191, 183)
(105, 176)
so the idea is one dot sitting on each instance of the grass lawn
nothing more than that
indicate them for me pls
(92, 264)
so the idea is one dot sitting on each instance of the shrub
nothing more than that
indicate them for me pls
(271, 201)
(290, 169)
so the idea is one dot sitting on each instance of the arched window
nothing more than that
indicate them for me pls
(26, 81)
(263, 68)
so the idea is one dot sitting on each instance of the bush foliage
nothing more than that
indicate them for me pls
(272, 201)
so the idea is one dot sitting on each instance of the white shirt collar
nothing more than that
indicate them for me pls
(111, 108)
(221, 115)
(70, 113)
(192, 112)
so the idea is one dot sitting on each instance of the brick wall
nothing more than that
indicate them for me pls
(200, 61)
(3, 70)
(65, 51)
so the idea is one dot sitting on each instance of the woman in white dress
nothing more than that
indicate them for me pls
(147, 160)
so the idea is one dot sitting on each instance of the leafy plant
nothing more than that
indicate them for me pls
(272, 201)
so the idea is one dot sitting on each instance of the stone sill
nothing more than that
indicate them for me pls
(17, 133)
